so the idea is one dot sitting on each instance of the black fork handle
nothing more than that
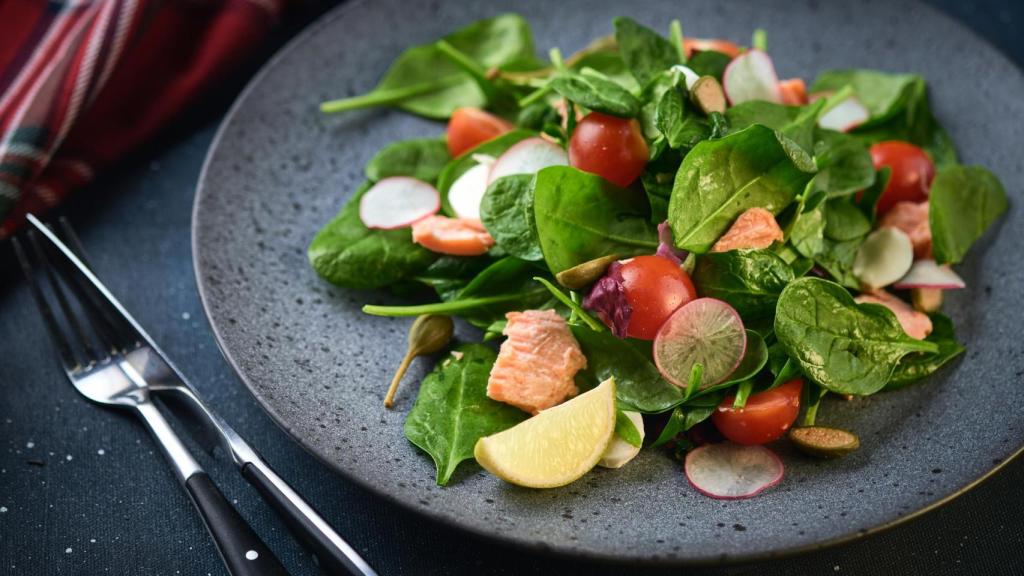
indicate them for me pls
(242, 550)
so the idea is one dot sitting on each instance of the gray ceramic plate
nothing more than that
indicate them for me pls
(279, 170)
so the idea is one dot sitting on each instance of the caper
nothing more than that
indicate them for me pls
(428, 334)
(824, 442)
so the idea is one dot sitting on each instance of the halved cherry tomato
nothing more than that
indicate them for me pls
(766, 416)
(912, 172)
(608, 146)
(655, 287)
(692, 45)
(469, 127)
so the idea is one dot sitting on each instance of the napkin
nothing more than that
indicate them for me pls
(83, 83)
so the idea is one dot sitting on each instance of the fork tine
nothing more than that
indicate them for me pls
(67, 357)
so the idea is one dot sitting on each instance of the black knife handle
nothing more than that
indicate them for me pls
(241, 549)
(334, 554)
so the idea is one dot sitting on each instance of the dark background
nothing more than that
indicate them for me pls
(84, 491)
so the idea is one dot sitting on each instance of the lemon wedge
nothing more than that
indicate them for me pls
(556, 446)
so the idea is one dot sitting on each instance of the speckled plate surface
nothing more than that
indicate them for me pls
(279, 170)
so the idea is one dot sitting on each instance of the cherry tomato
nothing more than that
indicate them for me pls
(765, 418)
(469, 127)
(912, 172)
(691, 45)
(611, 147)
(655, 287)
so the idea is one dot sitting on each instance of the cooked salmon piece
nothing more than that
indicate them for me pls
(755, 228)
(457, 236)
(793, 91)
(537, 363)
(912, 219)
(914, 323)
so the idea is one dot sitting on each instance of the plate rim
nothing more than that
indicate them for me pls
(303, 36)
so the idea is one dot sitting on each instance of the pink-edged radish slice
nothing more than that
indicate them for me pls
(528, 157)
(467, 191)
(884, 257)
(729, 471)
(751, 76)
(397, 202)
(927, 273)
(704, 330)
(845, 116)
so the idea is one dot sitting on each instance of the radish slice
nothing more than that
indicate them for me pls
(927, 274)
(619, 452)
(467, 191)
(751, 76)
(707, 331)
(729, 471)
(885, 256)
(527, 157)
(397, 202)
(845, 116)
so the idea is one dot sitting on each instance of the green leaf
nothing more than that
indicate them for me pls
(421, 159)
(913, 367)
(883, 94)
(844, 164)
(720, 179)
(574, 307)
(507, 212)
(638, 384)
(595, 91)
(459, 166)
(807, 234)
(347, 253)
(689, 415)
(748, 280)
(625, 429)
(754, 360)
(452, 410)
(425, 81)
(645, 52)
(964, 202)
(844, 221)
(448, 275)
(709, 63)
(846, 347)
(505, 285)
(582, 216)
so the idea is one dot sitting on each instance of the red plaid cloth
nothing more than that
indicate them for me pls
(84, 82)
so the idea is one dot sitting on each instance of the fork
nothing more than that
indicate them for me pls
(132, 367)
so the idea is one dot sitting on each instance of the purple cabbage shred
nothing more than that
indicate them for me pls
(607, 299)
(666, 248)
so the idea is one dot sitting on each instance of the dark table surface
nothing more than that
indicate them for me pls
(84, 491)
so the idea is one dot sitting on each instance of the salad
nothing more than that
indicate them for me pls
(676, 249)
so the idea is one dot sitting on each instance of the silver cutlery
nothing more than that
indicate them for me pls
(111, 360)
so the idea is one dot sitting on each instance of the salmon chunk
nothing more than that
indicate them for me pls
(457, 236)
(914, 323)
(755, 228)
(912, 219)
(537, 363)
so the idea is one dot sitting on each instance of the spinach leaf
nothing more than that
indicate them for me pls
(459, 166)
(795, 122)
(688, 415)
(883, 94)
(807, 233)
(507, 212)
(576, 311)
(720, 179)
(597, 92)
(505, 285)
(964, 202)
(754, 359)
(658, 188)
(676, 118)
(448, 275)
(421, 159)
(844, 221)
(425, 81)
(609, 64)
(844, 164)
(845, 347)
(347, 253)
(868, 201)
(625, 429)
(709, 63)
(638, 384)
(831, 235)
(645, 52)
(582, 216)
(748, 280)
(914, 367)
(452, 410)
